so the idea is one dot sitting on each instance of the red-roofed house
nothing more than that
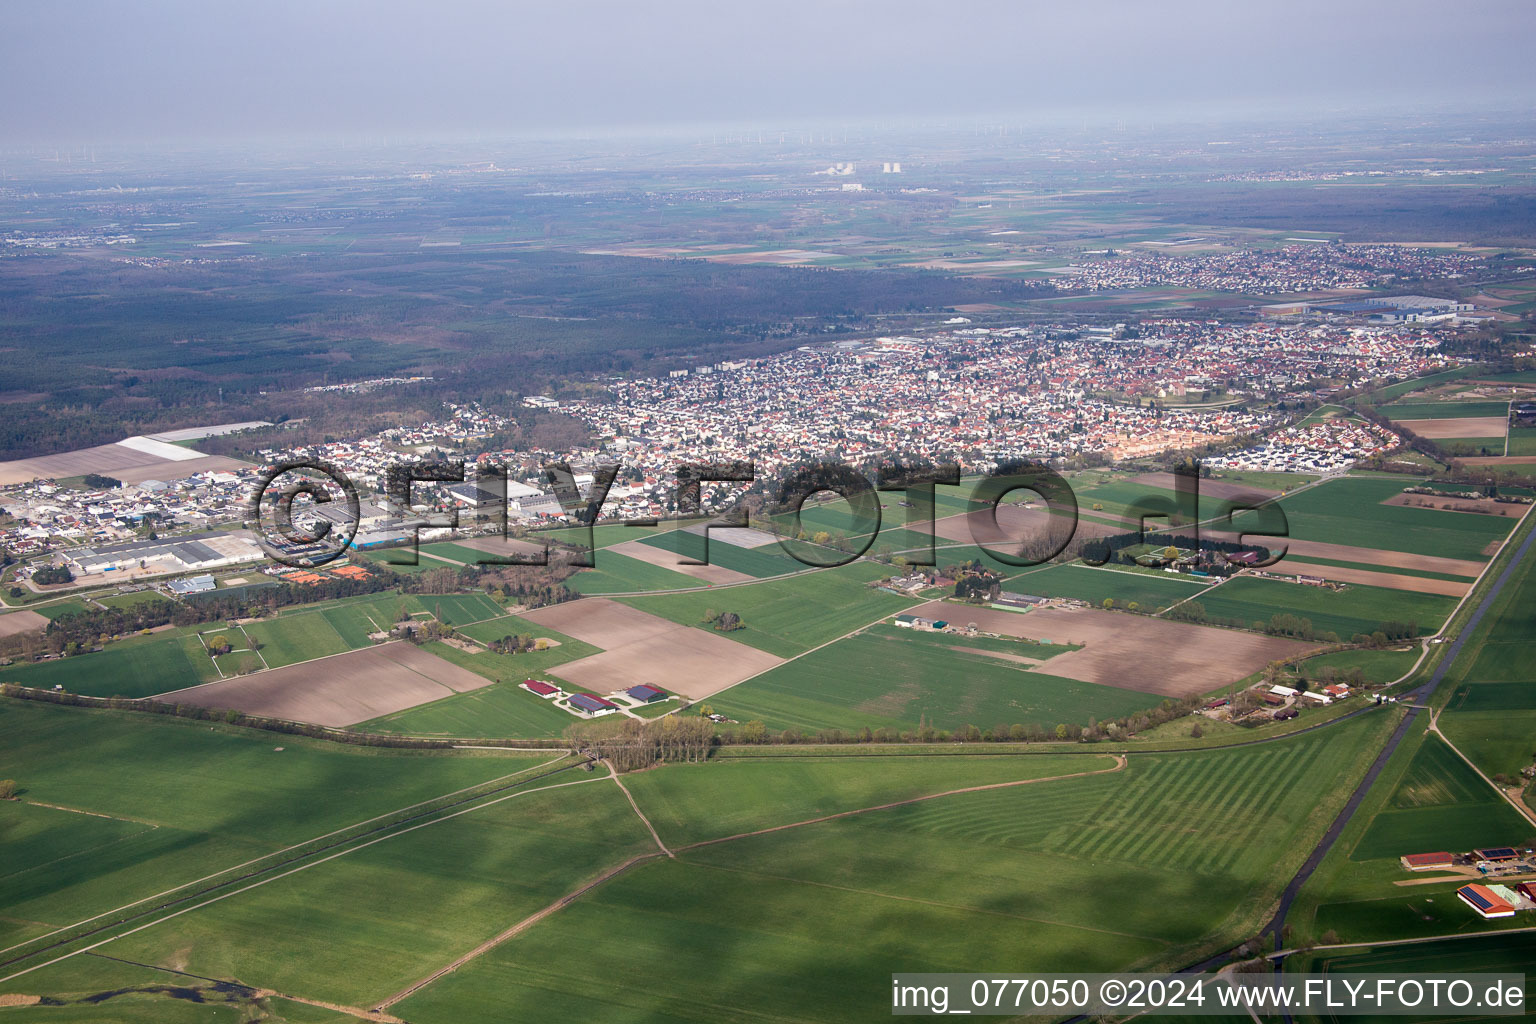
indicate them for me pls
(1426, 861)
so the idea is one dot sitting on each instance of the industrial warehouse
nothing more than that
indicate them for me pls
(152, 557)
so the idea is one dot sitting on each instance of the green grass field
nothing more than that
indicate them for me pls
(457, 609)
(887, 677)
(1349, 511)
(1409, 411)
(615, 573)
(693, 803)
(288, 639)
(787, 617)
(1356, 609)
(450, 885)
(1375, 666)
(136, 667)
(1149, 590)
(761, 562)
(1440, 804)
(501, 710)
(1006, 879)
(1495, 954)
(178, 800)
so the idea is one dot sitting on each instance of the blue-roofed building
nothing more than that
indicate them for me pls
(646, 694)
(592, 704)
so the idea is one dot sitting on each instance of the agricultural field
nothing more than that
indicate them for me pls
(766, 560)
(638, 647)
(1490, 713)
(135, 667)
(882, 678)
(1414, 410)
(452, 884)
(788, 902)
(1439, 804)
(1351, 512)
(1378, 667)
(1355, 609)
(1495, 954)
(1149, 590)
(615, 573)
(163, 801)
(788, 617)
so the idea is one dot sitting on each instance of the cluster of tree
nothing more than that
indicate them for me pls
(50, 574)
(229, 717)
(978, 585)
(1393, 631)
(92, 627)
(755, 732)
(220, 645)
(1114, 549)
(515, 644)
(1331, 675)
(97, 482)
(725, 622)
(426, 631)
(1279, 624)
(630, 744)
(1423, 445)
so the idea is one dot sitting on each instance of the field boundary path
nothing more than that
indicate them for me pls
(568, 898)
(1119, 765)
(1423, 691)
(614, 775)
(1518, 804)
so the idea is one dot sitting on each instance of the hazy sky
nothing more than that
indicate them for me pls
(99, 70)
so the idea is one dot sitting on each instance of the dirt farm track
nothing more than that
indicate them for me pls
(1131, 652)
(340, 690)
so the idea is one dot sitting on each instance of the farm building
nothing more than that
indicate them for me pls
(543, 689)
(917, 622)
(1317, 698)
(1485, 901)
(1282, 691)
(646, 694)
(1496, 854)
(592, 704)
(1426, 861)
(1528, 890)
(1008, 600)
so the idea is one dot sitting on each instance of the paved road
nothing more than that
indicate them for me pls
(1277, 923)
